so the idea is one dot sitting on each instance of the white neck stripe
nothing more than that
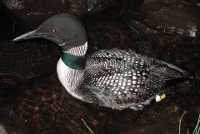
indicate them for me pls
(78, 51)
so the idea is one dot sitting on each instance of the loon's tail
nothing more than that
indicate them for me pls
(182, 81)
(181, 84)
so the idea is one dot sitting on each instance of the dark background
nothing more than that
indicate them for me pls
(31, 98)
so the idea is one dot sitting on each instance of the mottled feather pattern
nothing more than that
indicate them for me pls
(122, 79)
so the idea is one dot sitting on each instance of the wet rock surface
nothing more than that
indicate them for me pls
(30, 91)
(171, 18)
(174, 17)
(35, 12)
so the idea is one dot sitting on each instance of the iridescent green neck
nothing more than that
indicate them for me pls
(74, 62)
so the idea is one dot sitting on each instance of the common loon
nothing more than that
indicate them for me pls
(113, 78)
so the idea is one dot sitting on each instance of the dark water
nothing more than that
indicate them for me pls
(31, 93)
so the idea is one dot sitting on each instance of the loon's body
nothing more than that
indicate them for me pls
(112, 78)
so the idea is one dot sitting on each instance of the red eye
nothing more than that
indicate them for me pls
(53, 30)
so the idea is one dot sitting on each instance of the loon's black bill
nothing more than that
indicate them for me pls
(29, 35)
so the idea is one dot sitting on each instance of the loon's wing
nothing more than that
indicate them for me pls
(122, 79)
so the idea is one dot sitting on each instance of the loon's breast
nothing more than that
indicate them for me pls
(69, 78)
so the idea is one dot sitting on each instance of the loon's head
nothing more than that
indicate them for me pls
(64, 29)
(68, 32)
